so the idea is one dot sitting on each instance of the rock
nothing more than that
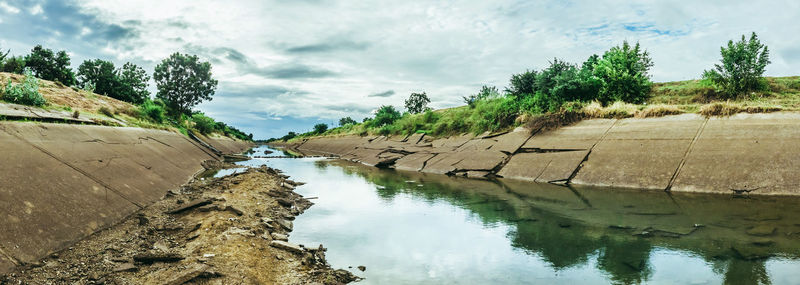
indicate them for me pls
(190, 205)
(277, 236)
(763, 242)
(284, 202)
(234, 210)
(286, 246)
(149, 258)
(285, 224)
(125, 267)
(762, 230)
(191, 272)
(161, 245)
(362, 268)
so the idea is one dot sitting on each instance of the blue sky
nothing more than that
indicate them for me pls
(286, 65)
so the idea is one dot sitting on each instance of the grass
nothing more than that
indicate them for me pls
(668, 98)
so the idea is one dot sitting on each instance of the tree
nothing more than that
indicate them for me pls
(742, 68)
(417, 103)
(133, 83)
(385, 115)
(101, 74)
(14, 64)
(183, 82)
(522, 84)
(623, 71)
(3, 56)
(347, 121)
(485, 93)
(50, 66)
(288, 136)
(320, 128)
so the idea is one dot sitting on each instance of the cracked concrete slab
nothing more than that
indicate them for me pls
(45, 204)
(413, 162)
(640, 153)
(543, 167)
(753, 152)
(581, 135)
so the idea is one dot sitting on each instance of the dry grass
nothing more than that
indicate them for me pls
(62, 96)
(729, 108)
(659, 110)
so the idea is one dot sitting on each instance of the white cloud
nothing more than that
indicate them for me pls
(8, 8)
(447, 49)
(36, 10)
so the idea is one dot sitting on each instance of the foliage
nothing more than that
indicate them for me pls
(623, 73)
(26, 93)
(417, 103)
(288, 136)
(3, 56)
(106, 111)
(48, 65)
(203, 123)
(132, 84)
(320, 128)
(742, 66)
(100, 74)
(347, 121)
(14, 64)
(183, 82)
(385, 115)
(486, 92)
(492, 115)
(153, 111)
(522, 84)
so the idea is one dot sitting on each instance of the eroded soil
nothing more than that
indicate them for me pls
(213, 231)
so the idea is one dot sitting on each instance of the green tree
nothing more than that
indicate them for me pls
(742, 68)
(133, 83)
(320, 128)
(523, 84)
(486, 92)
(14, 64)
(203, 123)
(101, 74)
(623, 73)
(47, 65)
(347, 121)
(417, 103)
(386, 115)
(3, 57)
(183, 82)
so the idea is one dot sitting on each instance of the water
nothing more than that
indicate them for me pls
(412, 228)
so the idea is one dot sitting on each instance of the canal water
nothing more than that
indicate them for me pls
(413, 228)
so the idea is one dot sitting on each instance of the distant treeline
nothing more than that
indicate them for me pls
(620, 74)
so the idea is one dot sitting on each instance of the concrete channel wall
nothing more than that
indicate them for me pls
(740, 154)
(63, 182)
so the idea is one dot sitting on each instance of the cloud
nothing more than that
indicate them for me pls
(36, 10)
(387, 93)
(294, 60)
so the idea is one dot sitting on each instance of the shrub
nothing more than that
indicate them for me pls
(417, 103)
(385, 115)
(522, 84)
(492, 115)
(320, 128)
(347, 121)
(14, 64)
(152, 111)
(623, 73)
(486, 92)
(743, 64)
(105, 111)
(26, 93)
(203, 123)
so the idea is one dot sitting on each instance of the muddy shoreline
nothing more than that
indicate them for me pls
(232, 229)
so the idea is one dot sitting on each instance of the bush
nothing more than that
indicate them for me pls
(492, 115)
(522, 84)
(743, 64)
(384, 116)
(152, 111)
(105, 111)
(623, 73)
(485, 93)
(347, 121)
(26, 93)
(417, 103)
(320, 128)
(203, 123)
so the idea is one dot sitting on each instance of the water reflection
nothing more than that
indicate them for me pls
(556, 234)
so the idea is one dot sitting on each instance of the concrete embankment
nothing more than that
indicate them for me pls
(740, 154)
(63, 182)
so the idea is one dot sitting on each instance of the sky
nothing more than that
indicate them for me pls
(287, 65)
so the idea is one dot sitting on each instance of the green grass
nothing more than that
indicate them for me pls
(668, 98)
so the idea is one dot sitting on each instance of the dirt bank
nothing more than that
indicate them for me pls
(217, 231)
(743, 154)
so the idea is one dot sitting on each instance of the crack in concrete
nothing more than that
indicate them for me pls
(686, 155)
(586, 157)
(546, 150)
(10, 257)
(88, 175)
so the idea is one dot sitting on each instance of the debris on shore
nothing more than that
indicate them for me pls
(233, 229)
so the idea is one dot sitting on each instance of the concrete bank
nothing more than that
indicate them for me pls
(740, 154)
(63, 182)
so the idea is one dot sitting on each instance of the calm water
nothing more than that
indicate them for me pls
(412, 228)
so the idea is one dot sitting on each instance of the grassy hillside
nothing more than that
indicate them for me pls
(669, 98)
(108, 111)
